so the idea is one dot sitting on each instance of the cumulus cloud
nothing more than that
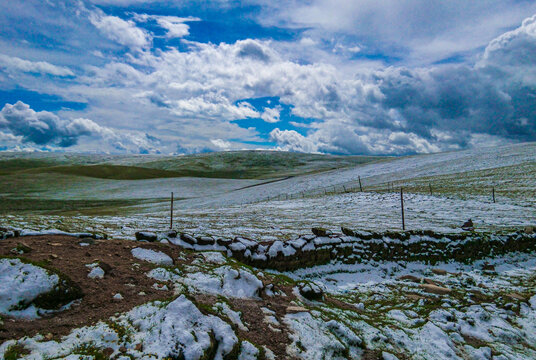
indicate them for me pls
(290, 140)
(43, 127)
(271, 115)
(121, 31)
(176, 26)
(42, 67)
(193, 94)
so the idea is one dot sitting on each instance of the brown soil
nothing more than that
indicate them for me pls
(66, 255)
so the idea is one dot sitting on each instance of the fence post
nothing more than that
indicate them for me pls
(430, 186)
(402, 207)
(171, 220)
(493, 193)
(360, 187)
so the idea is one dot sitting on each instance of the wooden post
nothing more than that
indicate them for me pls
(360, 187)
(171, 219)
(344, 187)
(430, 186)
(493, 193)
(402, 207)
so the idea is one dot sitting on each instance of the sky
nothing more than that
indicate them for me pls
(362, 77)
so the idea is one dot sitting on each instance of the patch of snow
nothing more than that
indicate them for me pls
(155, 257)
(226, 281)
(248, 351)
(214, 257)
(20, 283)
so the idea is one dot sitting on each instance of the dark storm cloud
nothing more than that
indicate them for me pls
(44, 128)
(495, 97)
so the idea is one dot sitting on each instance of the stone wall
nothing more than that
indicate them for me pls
(357, 246)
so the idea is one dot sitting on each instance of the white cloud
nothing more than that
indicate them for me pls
(121, 31)
(221, 144)
(14, 63)
(176, 26)
(271, 115)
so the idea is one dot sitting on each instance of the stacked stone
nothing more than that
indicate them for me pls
(358, 246)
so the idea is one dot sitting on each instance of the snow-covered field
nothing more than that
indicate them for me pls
(485, 310)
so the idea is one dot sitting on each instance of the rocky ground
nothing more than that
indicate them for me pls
(82, 298)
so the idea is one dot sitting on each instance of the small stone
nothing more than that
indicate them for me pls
(410, 278)
(468, 225)
(138, 347)
(53, 256)
(224, 242)
(171, 234)
(147, 236)
(347, 232)
(433, 289)
(122, 349)
(488, 267)
(118, 296)
(188, 239)
(205, 240)
(142, 293)
(295, 309)
(432, 282)
(108, 352)
(439, 271)
(49, 336)
(321, 232)
(516, 296)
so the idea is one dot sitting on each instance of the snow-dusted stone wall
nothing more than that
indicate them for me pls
(357, 246)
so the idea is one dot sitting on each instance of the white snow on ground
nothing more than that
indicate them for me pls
(234, 316)
(426, 329)
(248, 351)
(223, 213)
(20, 283)
(225, 281)
(315, 339)
(155, 257)
(214, 257)
(164, 330)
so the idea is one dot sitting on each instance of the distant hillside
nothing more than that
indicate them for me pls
(225, 165)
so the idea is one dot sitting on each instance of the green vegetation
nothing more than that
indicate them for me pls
(256, 164)
(223, 165)
(85, 207)
(15, 352)
(91, 350)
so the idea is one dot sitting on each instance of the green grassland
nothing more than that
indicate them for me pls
(223, 165)
(66, 183)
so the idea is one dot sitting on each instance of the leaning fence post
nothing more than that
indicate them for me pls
(402, 207)
(360, 187)
(493, 193)
(171, 218)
